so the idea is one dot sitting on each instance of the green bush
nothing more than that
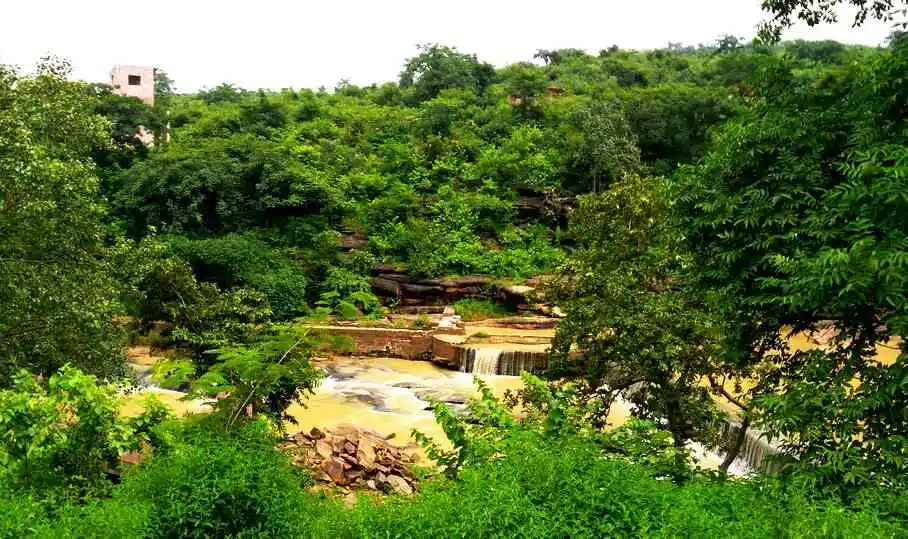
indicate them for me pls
(58, 441)
(214, 486)
(244, 260)
(564, 487)
(422, 321)
(347, 311)
(535, 486)
(262, 378)
(480, 309)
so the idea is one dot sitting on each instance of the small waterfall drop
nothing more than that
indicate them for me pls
(756, 452)
(485, 360)
(498, 361)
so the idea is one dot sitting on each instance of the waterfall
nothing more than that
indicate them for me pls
(497, 361)
(514, 362)
(485, 360)
(757, 453)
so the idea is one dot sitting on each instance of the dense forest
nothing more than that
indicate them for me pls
(688, 208)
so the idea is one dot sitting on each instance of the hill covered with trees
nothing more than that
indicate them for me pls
(689, 206)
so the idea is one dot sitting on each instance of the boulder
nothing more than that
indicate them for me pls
(324, 449)
(337, 444)
(386, 287)
(475, 280)
(397, 277)
(334, 469)
(347, 432)
(421, 289)
(400, 485)
(385, 268)
(365, 454)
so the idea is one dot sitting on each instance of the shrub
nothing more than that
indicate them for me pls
(347, 311)
(215, 486)
(480, 309)
(237, 260)
(423, 321)
(565, 487)
(348, 294)
(60, 439)
(260, 378)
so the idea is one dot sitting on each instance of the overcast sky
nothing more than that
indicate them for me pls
(278, 44)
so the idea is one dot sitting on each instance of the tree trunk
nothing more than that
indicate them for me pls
(735, 448)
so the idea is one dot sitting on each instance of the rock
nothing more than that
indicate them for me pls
(350, 500)
(385, 287)
(397, 277)
(366, 455)
(348, 456)
(334, 468)
(319, 475)
(348, 431)
(421, 290)
(469, 291)
(302, 438)
(337, 443)
(400, 485)
(323, 448)
(471, 281)
(385, 268)
(517, 290)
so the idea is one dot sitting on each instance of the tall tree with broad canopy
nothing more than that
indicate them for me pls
(56, 299)
(797, 218)
(640, 332)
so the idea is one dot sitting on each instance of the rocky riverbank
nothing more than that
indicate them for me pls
(352, 458)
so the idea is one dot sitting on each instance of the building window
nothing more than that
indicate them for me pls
(135, 80)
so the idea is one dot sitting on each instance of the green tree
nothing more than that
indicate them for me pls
(57, 301)
(813, 12)
(604, 148)
(525, 83)
(438, 67)
(640, 330)
(796, 219)
(67, 434)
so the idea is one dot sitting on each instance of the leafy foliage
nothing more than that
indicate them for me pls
(262, 378)
(67, 435)
(795, 220)
(57, 297)
(641, 334)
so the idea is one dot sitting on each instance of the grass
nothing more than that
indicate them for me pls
(480, 309)
(562, 487)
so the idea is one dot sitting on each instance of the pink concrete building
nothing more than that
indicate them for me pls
(134, 81)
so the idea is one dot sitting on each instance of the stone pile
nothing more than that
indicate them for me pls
(352, 458)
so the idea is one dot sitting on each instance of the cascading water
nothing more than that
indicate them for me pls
(756, 452)
(514, 362)
(484, 360)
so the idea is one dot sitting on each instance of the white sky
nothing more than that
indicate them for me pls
(303, 43)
